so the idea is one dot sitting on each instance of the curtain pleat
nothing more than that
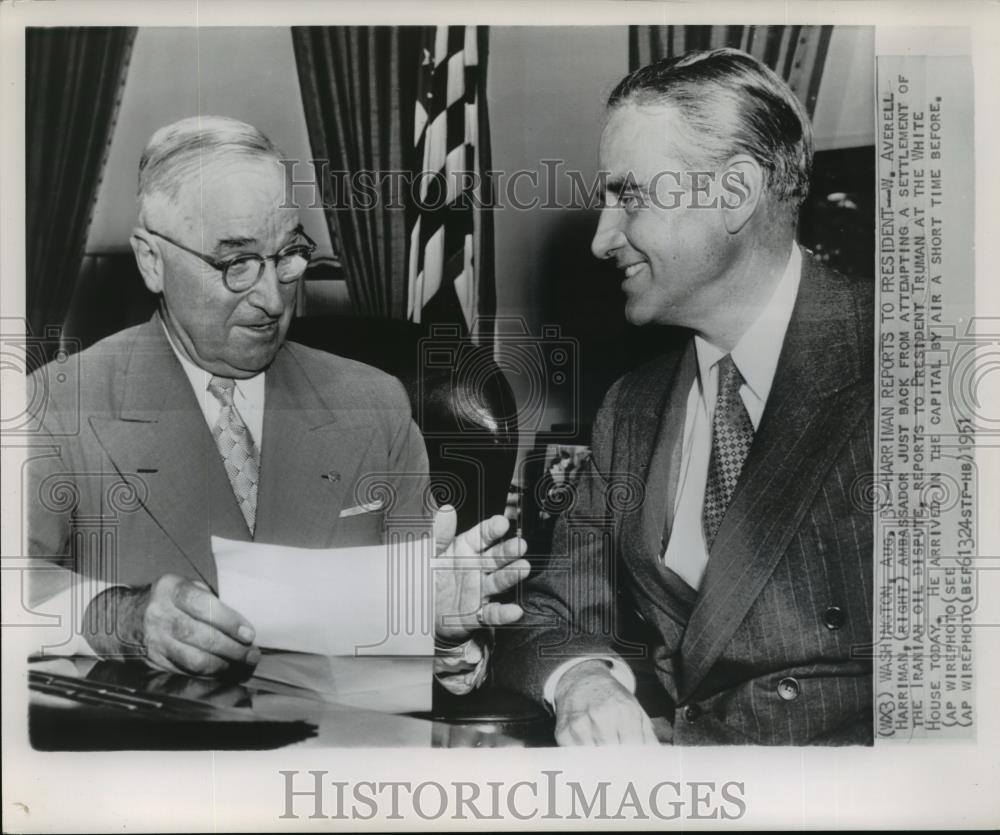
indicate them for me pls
(796, 53)
(74, 79)
(358, 85)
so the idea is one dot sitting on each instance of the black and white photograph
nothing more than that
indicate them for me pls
(398, 407)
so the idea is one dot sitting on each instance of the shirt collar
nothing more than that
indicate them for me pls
(756, 354)
(250, 389)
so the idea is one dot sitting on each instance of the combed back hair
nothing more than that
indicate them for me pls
(178, 150)
(731, 104)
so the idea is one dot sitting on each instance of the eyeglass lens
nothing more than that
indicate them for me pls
(245, 272)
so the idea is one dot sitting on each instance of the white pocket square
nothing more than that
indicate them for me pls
(358, 509)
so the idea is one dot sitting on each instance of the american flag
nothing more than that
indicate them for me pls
(450, 275)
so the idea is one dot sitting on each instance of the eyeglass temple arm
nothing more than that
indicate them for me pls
(300, 231)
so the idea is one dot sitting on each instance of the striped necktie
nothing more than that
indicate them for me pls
(239, 453)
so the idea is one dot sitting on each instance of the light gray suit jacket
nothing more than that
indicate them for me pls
(130, 485)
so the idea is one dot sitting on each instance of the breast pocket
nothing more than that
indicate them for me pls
(364, 527)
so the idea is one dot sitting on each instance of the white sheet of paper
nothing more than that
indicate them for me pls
(375, 600)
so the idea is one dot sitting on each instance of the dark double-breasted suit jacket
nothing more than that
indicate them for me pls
(774, 646)
(129, 485)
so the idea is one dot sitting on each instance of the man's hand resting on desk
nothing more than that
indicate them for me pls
(175, 624)
(593, 708)
(468, 570)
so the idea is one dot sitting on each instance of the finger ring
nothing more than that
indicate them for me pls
(480, 618)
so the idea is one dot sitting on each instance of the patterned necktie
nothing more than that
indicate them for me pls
(239, 453)
(732, 434)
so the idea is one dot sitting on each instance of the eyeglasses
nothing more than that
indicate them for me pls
(242, 272)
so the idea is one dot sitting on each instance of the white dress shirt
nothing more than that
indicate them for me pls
(756, 356)
(248, 396)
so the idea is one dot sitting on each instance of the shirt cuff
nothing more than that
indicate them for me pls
(70, 606)
(462, 669)
(618, 668)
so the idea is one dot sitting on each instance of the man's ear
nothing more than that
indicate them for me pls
(742, 184)
(149, 259)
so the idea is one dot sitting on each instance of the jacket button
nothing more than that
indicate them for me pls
(691, 713)
(788, 689)
(834, 617)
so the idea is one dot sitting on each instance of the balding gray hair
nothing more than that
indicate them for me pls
(180, 149)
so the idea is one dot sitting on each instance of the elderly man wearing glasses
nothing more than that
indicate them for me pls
(204, 421)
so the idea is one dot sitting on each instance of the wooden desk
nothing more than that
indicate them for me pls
(345, 719)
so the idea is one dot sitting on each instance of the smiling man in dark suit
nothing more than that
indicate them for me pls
(720, 499)
(204, 421)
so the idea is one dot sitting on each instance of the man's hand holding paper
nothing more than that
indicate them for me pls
(180, 626)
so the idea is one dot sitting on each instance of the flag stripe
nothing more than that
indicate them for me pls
(443, 234)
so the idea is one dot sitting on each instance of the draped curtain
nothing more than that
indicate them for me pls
(796, 53)
(73, 87)
(358, 87)
(391, 101)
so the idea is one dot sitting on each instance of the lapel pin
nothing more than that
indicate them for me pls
(331, 476)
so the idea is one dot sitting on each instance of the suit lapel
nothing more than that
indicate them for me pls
(160, 433)
(310, 457)
(657, 455)
(650, 453)
(811, 411)
(662, 452)
(666, 463)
